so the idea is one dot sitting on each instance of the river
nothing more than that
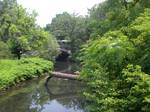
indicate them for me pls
(34, 96)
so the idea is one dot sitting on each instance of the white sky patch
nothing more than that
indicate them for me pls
(47, 9)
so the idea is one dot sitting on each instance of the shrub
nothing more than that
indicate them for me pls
(111, 87)
(113, 51)
(134, 88)
(14, 71)
(4, 51)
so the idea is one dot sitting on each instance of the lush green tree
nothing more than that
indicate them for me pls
(127, 92)
(70, 27)
(112, 51)
(19, 29)
(80, 35)
(103, 60)
(50, 49)
(4, 51)
(139, 33)
(114, 14)
(111, 87)
(62, 26)
(133, 90)
(109, 15)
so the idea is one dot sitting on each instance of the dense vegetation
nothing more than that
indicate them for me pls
(116, 61)
(14, 71)
(115, 54)
(116, 57)
(20, 35)
(70, 27)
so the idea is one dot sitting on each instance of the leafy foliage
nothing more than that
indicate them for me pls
(114, 14)
(20, 31)
(134, 88)
(4, 51)
(112, 51)
(70, 27)
(49, 49)
(62, 26)
(139, 33)
(14, 71)
(111, 87)
(128, 92)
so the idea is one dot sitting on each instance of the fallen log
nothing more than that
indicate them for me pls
(65, 75)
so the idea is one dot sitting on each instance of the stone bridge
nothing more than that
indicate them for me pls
(64, 50)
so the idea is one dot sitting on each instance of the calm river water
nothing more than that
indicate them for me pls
(34, 96)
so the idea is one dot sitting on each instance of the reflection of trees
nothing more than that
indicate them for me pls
(67, 67)
(10, 105)
(34, 96)
(66, 92)
(21, 100)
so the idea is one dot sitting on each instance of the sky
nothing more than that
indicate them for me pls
(47, 9)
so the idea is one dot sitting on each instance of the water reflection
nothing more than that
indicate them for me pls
(33, 96)
(67, 67)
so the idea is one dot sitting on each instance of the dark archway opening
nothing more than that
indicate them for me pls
(63, 56)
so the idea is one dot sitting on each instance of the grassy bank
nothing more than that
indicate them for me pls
(15, 71)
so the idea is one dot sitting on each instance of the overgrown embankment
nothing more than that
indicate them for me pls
(15, 71)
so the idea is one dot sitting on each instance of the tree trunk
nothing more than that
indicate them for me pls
(65, 76)
(19, 55)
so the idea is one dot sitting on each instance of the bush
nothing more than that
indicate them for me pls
(129, 92)
(139, 33)
(4, 51)
(14, 71)
(103, 60)
(111, 87)
(112, 51)
(49, 50)
(134, 89)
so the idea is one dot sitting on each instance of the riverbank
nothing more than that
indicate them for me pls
(58, 95)
(15, 71)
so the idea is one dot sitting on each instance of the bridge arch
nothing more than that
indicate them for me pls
(64, 50)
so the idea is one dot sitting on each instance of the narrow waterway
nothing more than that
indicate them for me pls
(34, 96)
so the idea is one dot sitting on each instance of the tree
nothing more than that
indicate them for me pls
(19, 29)
(139, 32)
(70, 27)
(62, 26)
(49, 49)
(113, 52)
(115, 81)
(114, 14)
(4, 51)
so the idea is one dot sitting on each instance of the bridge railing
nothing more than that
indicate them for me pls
(64, 44)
